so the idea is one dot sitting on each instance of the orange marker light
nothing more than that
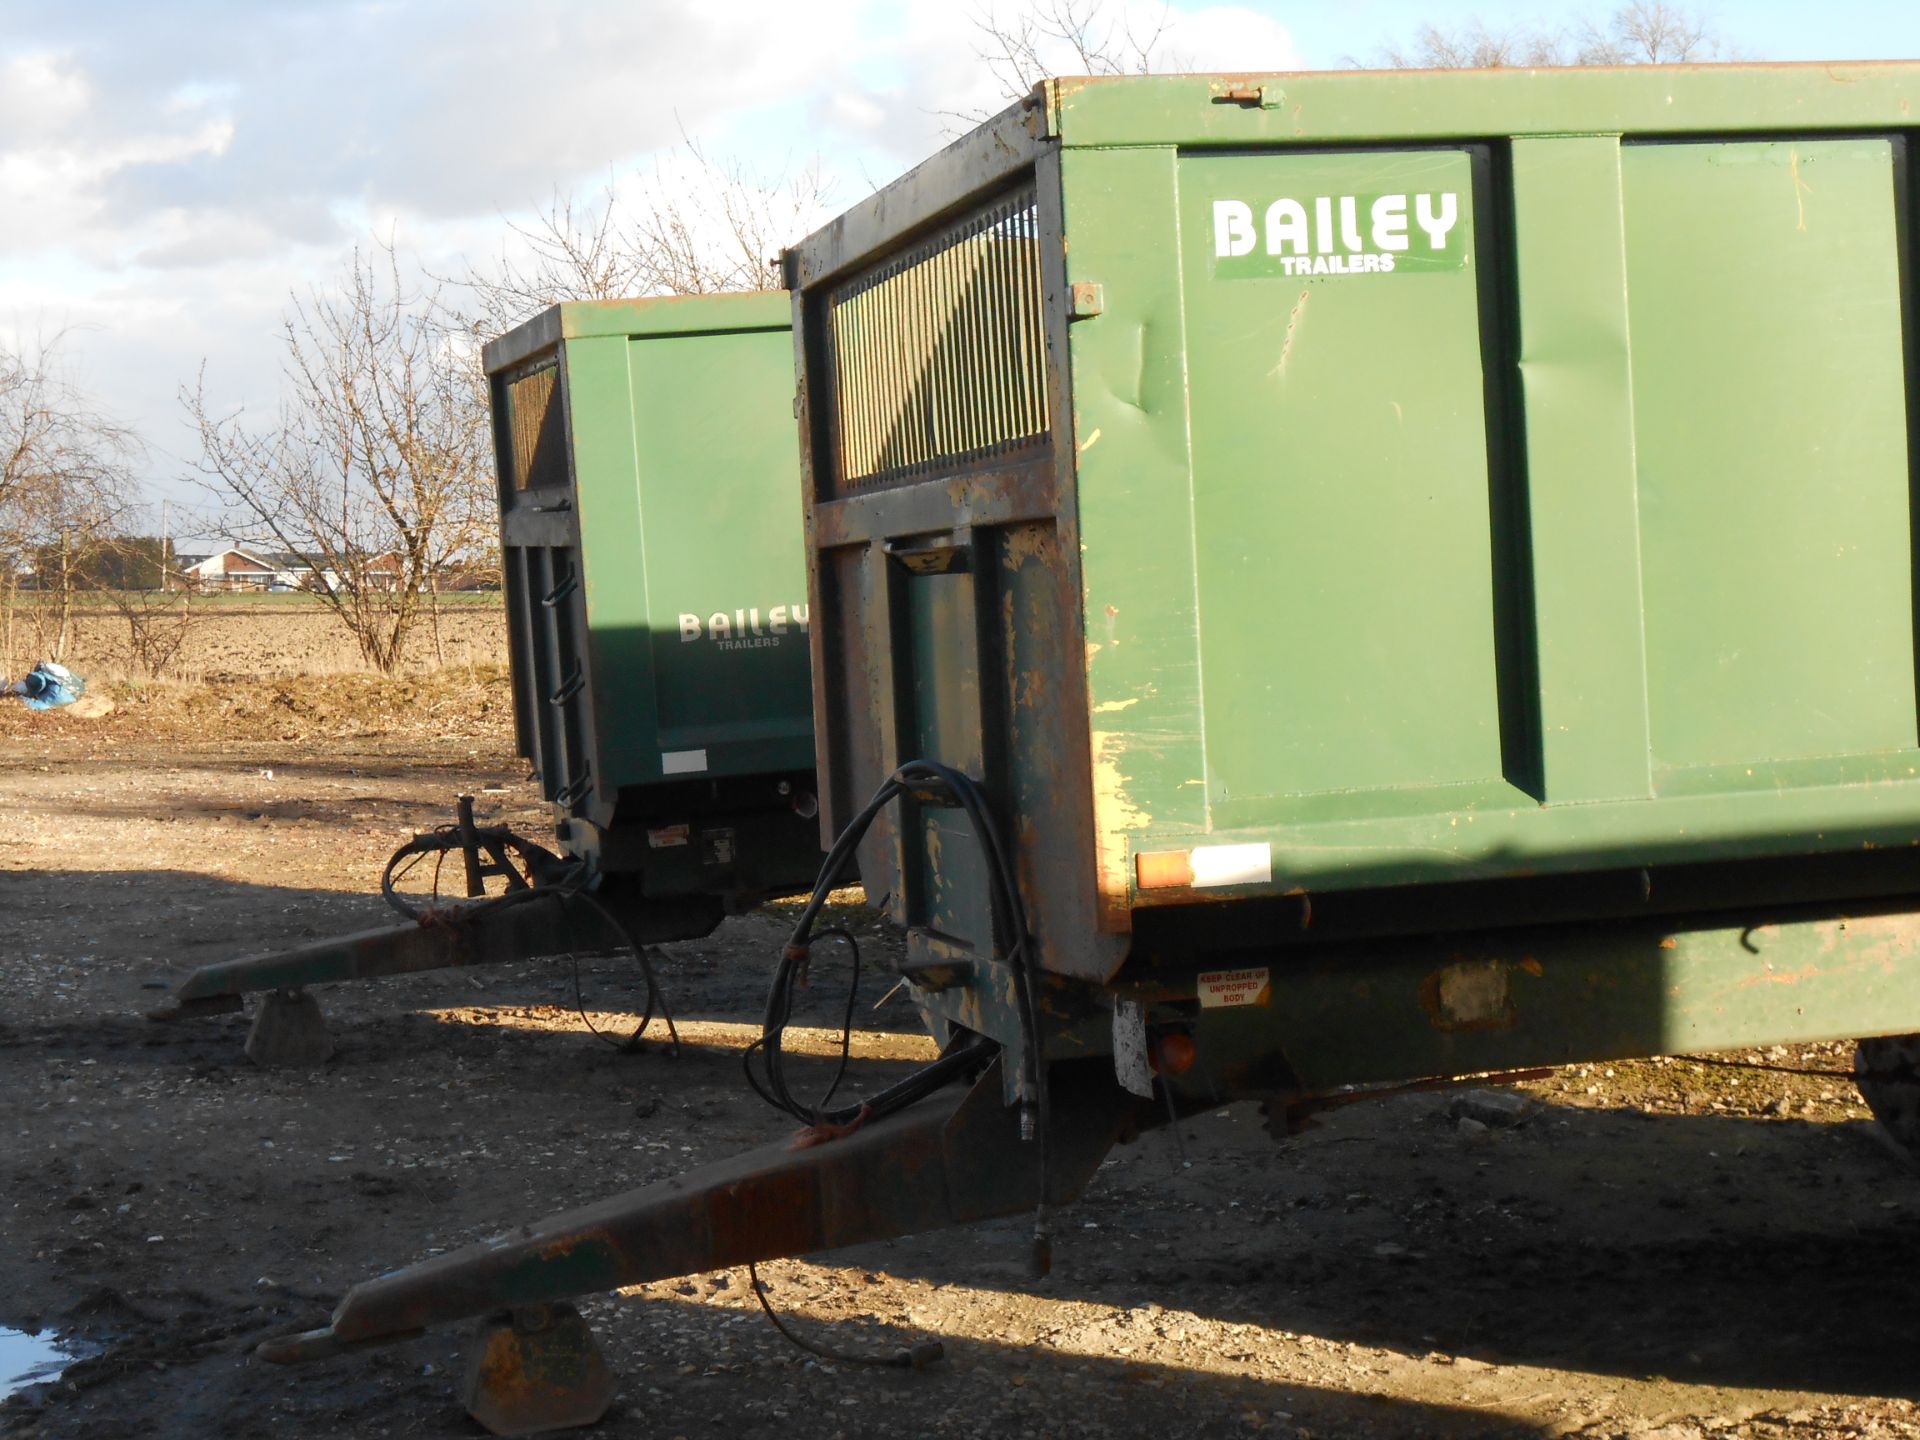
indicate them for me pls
(1174, 1053)
(1163, 870)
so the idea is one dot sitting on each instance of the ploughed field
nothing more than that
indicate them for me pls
(227, 636)
(1651, 1249)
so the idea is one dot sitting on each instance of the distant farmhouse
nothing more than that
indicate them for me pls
(238, 569)
(232, 569)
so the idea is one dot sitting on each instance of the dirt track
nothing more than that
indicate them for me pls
(1656, 1251)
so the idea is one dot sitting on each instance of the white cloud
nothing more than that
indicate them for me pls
(437, 109)
(41, 93)
(1230, 37)
(169, 174)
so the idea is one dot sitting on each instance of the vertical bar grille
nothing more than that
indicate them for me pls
(533, 425)
(549, 673)
(938, 356)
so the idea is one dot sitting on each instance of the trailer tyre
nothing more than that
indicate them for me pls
(1887, 1070)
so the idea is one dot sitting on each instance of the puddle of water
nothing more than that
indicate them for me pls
(29, 1359)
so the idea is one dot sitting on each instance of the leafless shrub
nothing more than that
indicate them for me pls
(158, 623)
(375, 472)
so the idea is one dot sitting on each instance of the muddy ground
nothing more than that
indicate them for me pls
(1659, 1249)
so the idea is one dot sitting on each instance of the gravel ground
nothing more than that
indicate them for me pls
(1659, 1249)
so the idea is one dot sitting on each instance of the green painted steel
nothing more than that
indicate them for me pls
(1446, 606)
(1574, 364)
(1451, 477)
(1363, 108)
(1393, 1012)
(656, 583)
(1581, 538)
(1779, 595)
(1341, 504)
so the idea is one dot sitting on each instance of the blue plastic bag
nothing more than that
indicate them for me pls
(46, 686)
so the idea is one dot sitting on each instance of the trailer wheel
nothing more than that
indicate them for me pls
(1887, 1070)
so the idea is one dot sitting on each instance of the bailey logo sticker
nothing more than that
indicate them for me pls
(1299, 236)
(743, 629)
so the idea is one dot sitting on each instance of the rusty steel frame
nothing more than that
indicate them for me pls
(534, 923)
(444, 940)
(951, 1160)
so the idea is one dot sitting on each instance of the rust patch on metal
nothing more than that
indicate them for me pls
(1114, 817)
(1026, 543)
(1294, 316)
(1029, 689)
(536, 1372)
(1784, 977)
(564, 1247)
(1469, 995)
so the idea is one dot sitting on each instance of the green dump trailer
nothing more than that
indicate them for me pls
(655, 589)
(1324, 583)
(1422, 565)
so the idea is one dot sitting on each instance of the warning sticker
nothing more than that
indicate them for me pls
(1234, 987)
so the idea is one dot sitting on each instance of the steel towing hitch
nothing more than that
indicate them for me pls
(952, 1159)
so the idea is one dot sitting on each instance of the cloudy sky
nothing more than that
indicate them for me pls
(169, 173)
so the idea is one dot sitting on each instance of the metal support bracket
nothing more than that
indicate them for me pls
(289, 1032)
(534, 1370)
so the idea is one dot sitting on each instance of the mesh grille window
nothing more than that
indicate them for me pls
(533, 423)
(938, 354)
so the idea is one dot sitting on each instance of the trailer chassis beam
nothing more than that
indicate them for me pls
(950, 1160)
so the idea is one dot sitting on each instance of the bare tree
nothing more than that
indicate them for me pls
(66, 476)
(1082, 37)
(703, 225)
(569, 251)
(1640, 32)
(694, 225)
(1473, 46)
(50, 432)
(1649, 32)
(375, 469)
